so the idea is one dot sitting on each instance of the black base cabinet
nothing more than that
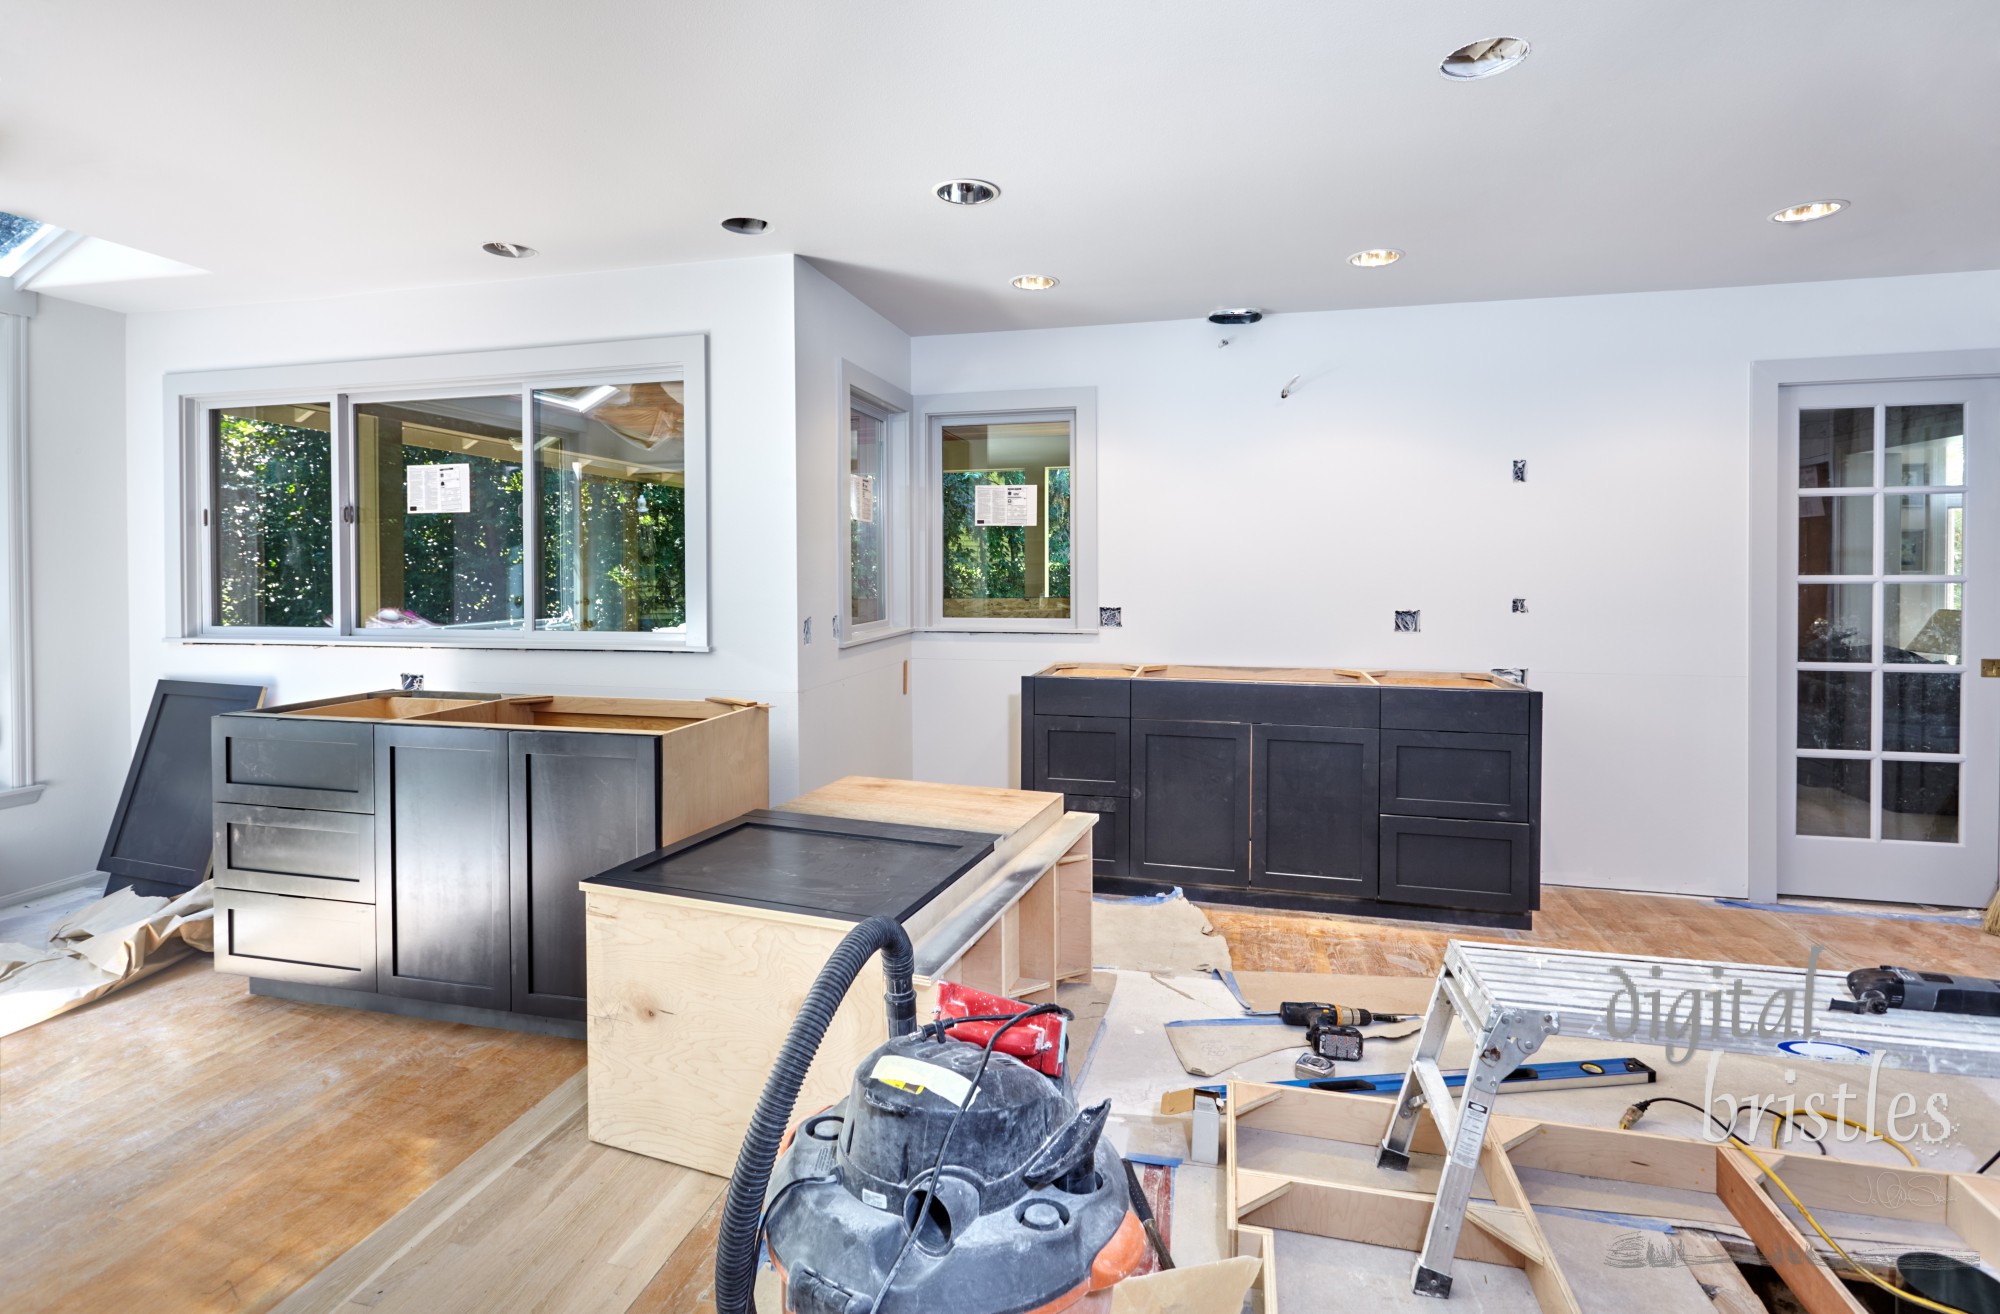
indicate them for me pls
(1398, 793)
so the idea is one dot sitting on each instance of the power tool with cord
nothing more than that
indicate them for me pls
(1879, 989)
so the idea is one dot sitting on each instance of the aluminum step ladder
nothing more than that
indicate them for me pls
(1511, 999)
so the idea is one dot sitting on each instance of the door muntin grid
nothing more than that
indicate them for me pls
(1880, 664)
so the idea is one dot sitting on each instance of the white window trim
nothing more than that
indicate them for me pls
(189, 398)
(17, 732)
(893, 498)
(930, 411)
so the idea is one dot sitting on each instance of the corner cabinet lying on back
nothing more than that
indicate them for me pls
(1354, 790)
(422, 854)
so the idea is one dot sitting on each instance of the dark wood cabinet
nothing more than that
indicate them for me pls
(306, 763)
(321, 855)
(281, 937)
(1355, 790)
(578, 805)
(441, 829)
(1313, 821)
(1191, 801)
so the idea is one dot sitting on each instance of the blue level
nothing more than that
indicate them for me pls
(1535, 1076)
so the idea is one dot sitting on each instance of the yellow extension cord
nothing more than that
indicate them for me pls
(1799, 1205)
(1779, 1119)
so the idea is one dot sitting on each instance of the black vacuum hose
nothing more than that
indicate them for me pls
(737, 1245)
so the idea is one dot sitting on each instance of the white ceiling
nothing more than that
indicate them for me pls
(1161, 157)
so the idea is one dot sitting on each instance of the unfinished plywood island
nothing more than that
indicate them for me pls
(691, 994)
(420, 854)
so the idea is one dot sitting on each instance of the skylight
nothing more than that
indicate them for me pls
(21, 238)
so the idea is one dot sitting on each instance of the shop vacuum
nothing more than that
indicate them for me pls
(955, 1178)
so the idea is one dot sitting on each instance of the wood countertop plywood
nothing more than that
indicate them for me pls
(1284, 675)
(1018, 815)
(186, 1146)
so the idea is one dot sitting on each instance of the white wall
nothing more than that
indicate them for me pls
(76, 493)
(854, 718)
(745, 308)
(1236, 527)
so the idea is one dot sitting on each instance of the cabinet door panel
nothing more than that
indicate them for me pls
(441, 865)
(1191, 801)
(1480, 865)
(307, 762)
(321, 855)
(1083, 754)
(1313, 819)
(1442, 774)
(579, 805)
(281, 938)
(1110, 843)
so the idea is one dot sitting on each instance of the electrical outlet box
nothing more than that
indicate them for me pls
(1520, 472)
(1520, 604)
(1111, 618)
(1409, 622)
(412, 681)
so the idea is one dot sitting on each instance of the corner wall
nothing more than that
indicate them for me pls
(77, 595)
(1237, 527)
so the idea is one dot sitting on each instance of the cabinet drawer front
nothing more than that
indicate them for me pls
(322, 855)
(1055, 695)
(304, 763)
(1111, 838)
(1313, 818)
(1471, 777)
(1191, 801)
(1272, 704)
(1483, 711)
(1083, 754)
(283, 938)
(1484, 866)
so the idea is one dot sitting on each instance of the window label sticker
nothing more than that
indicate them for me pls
(917, 1076)
(861, 498)
(1005, 504)
(438, 489)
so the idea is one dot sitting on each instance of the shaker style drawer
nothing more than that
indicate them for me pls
(1479, 865)
(1083, 754)
(322, 855)
(284, 938)
(1472, 777)
(303, 762)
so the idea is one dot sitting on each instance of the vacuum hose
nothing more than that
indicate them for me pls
(737, 1246)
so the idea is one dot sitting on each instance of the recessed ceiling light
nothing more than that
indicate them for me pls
(509, 250)
(745, 225)
(1807, 212)
(1482, 59)
(967, 191)
(1375, 257)
(1034, 282)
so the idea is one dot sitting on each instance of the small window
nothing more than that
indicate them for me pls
(874, 536)
(1010, 551)
(541, 506)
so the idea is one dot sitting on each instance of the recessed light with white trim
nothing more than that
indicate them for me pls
(745, 226)
(509, 250)
(967, 191)
(1484, 58)
(1375, 257)
(1034, 282)
(1807, 211)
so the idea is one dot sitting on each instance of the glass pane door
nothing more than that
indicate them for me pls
(1881, 799)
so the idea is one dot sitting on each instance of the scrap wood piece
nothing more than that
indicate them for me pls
(1738, 1182)
(1217, 1288)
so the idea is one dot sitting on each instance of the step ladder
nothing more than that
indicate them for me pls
(1511, 999)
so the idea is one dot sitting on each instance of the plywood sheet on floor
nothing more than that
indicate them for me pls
(184, 1145)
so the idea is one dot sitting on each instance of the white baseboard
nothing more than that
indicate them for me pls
(62, 886)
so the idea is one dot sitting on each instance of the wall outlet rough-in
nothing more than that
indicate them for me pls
(806, 631)
(411, 681)
(1409, 622)
(1518, 674)
(1520, 472)
(1520, 604)
(1111, 618)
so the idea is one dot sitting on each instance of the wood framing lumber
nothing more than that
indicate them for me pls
(1739, 1183)
(1716, 1272)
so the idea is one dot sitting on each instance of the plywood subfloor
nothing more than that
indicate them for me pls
(186, 1146)
(1607, 921)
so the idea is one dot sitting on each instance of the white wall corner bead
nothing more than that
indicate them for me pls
(16, 729)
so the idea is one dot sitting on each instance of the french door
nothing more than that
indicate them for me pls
(1890, 556)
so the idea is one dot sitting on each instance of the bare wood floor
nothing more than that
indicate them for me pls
(185, 1146)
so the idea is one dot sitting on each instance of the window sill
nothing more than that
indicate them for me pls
(511, 643)
(20, 798)
(877, 636)
(1039, 631)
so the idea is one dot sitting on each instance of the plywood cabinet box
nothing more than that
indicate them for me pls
(1405, 793)
(421, 854)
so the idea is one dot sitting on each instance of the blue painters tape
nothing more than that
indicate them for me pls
(1141, 900)
(1261, 1020)
(1155, 1160)
(1949, 919)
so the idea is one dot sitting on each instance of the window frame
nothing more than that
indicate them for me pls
(1080, 405)
(892, 406)
(17, 731)
(191, 397)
